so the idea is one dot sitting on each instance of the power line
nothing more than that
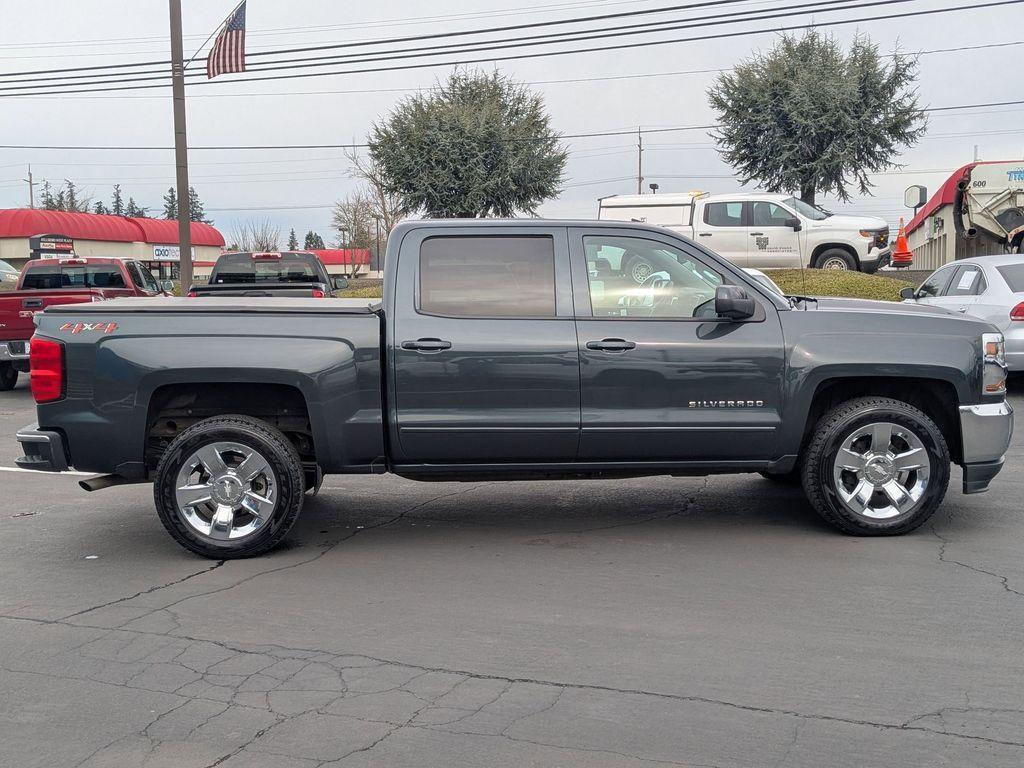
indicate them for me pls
(414, 38)
(524, 56)
(564, 81)
(595, 134)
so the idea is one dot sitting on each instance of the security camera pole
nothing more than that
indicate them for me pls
(181, 148)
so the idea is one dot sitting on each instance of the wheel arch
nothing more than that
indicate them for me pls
(172, 407)
(936, 397)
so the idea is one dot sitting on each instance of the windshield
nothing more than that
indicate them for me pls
(812, 212)
(5, 267)
(243, 268)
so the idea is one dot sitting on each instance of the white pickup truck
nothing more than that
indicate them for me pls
(757, 230)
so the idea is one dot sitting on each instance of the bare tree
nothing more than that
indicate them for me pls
(386, 206)
(354, 219)
(256, 235)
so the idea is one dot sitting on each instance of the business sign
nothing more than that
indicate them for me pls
(50, 246)
(171, 253)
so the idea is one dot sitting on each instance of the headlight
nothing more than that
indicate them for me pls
(868, 233)
(994, 379)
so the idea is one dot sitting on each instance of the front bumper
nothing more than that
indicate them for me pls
(876, 255)
(11, 351)
(985, 435)
(44, 450)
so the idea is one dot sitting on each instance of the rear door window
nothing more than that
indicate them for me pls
(494, 276)
(724, 214)
(968, 281)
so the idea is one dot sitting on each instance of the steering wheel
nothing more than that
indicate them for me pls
(657, 286)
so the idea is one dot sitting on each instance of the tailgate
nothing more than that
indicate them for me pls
(293, 290)
(18, 308)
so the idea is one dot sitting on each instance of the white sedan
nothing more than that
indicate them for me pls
(988, 287)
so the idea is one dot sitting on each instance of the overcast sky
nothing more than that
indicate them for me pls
(297, 187)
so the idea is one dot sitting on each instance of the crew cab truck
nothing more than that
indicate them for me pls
(760, 231)
(48, 282)
(505, 350)
(275, 273)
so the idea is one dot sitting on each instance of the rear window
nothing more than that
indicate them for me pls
(488, 276)
(243, 268)
(1013, 274)
(51, 277)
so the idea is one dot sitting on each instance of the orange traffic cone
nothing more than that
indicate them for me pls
(902, 256)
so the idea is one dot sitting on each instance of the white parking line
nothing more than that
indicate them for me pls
(40, 472)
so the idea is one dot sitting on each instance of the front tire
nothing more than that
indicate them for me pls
(229, 487)
(836, 259)
(876, 467)
(8, 377)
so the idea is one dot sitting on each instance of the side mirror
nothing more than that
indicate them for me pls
(795, 223)
(732, 302)
(168, 286)
(340, 283)
(908, 293)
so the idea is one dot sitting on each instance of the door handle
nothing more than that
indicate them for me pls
(611, 345)
(427, 345)
(756, 234)
(32, 303)
(961, 309)
(704, 234)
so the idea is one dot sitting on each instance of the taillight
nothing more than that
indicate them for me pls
(46, 366)
(1017, 313)
(192, 294)
(318, 294)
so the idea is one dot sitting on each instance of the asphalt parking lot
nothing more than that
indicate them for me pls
(604, 623)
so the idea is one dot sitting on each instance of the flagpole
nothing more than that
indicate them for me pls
(180, 148)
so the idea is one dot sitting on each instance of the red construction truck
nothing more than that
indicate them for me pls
(47, 282)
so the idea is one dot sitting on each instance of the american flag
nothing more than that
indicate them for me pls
(228, 52)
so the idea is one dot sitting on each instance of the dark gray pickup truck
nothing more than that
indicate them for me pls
(516, 350)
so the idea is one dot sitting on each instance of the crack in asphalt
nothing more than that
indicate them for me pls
(944, 544)
(142, 592)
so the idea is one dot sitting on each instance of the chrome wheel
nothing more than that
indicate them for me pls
(225, 491)
(835, 262)
(881, 471)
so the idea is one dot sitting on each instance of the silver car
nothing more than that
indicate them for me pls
(8, 274)
(988, 287)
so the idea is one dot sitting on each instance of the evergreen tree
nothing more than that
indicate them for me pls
(196, 211)
(477, 145)
(293, 241)
(100, 208)
(117, 203)
(810, 118)
(171, 204)
(132, 210)
(48, 201)
(313, 241)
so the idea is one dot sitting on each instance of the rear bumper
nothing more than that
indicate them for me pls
(44, 450)
(11, 351)
(986, 431)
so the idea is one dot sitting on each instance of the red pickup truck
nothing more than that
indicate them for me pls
(47, 282)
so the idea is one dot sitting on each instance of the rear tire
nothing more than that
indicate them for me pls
(836, 259)
(876, 467)
(8, 377)
(232, 515)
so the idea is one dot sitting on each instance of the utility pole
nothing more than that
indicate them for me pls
(31, 188)
(639, 161)
(180, 148)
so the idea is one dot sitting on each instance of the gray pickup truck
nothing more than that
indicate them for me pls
(512, 350)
